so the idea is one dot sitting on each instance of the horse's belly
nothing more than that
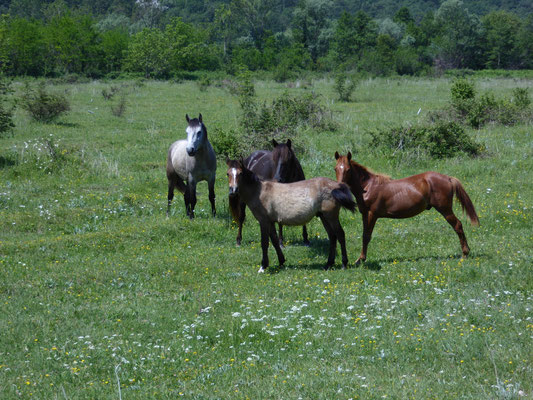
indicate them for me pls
(297, 211)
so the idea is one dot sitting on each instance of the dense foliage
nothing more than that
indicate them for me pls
(162, 39)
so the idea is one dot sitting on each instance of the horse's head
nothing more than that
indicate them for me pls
(196, 134)
(238, 175)
(235, 169)
(284, 160)
(342, 169)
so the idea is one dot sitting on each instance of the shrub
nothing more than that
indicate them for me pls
(345, 86)
(521, 98)
(226, 143)
(203, 83)
(6, 112)
(441, 140)
(43, 106)
(474, 111)
(108, 94)
(463, 96)
(119, 108)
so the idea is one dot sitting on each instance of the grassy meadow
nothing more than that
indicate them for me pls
(102, 297)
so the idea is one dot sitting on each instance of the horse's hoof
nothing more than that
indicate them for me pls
(261, 270)
(307, 243)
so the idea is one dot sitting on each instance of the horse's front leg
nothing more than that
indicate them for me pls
(240, 222)
(211, 185)
(369, 221)
(276, 243)
(265, 233)
(332, 241)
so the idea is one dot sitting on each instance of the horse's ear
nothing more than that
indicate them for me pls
(200, 117)
(274, 143)
(349, 155)
(228, 161)
(187, 117)
(289, 143)
(337, 155)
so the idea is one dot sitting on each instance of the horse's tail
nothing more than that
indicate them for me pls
(235, 207)
(465, 201)
(343, 196)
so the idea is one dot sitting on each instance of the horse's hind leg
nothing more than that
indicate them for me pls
(304, 234)
(190, 198)
(280, 235)
(170, 195)
(369, 221)
(335, 225)
(457, 226)
(211, 185)
(332, 242)
(276, 243)
(174, 182)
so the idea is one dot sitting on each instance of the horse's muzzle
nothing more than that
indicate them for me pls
(191, 152)
(233, 191)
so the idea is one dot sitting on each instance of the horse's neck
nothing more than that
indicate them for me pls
(251, 191)
(361, 176)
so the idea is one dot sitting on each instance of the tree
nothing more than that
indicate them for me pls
(73, 44)
(459, 40)
(311, 26)
(354, 34)
(501, 30)
(148, 53)
(24, 44)
(525, 42)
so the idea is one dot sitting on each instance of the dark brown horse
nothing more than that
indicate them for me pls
(379, 196)
(280, 165)
(291, 204)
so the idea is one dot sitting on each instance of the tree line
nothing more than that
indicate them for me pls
(257, 35)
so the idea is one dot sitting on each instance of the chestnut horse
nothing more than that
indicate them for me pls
(291, 204)
(281, 165)
(379, 196)
(192, 160)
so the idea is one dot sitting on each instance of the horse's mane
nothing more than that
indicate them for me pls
(369, 173)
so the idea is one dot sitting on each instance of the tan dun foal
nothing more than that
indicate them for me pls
(291, 204)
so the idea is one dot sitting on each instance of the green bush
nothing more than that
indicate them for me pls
(280, 119)
(441, 140)
(521, 98)
(6, 112)
(226, 143)
(476, 111)
(344, 86)
(43, 106)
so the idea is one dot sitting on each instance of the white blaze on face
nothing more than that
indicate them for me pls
(234, 175)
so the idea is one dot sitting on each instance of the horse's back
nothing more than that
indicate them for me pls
(260, 163)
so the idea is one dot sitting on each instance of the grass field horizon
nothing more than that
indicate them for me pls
(103, 297)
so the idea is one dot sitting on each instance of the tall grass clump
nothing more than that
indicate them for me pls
(43, 106)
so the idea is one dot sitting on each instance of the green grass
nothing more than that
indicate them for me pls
(97, 286)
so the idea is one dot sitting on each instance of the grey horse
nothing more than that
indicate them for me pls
(191, 161)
